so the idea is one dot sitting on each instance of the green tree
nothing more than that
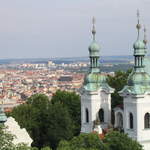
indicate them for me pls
(83, 142)
(63, 145)
(59, 125)
(120, 141)
(47, 124)
(71, 101)
(46, 148)
(32, 116)
(5, 139)
(23, 146)
(118, 81)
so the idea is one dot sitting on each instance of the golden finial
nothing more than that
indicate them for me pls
(145, 36)
(93, 30)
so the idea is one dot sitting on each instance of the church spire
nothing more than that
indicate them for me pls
(139, 79)
(138, 26)
(93, 30)
(139, 47)
(94, 51)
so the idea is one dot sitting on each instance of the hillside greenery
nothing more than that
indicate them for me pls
(47, 121)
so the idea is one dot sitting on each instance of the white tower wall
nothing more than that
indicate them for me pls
(94, 101)
(138, 106)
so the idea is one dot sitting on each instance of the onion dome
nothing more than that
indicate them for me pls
(94, 46)
(139, 45)
(139, 48)
(95, 78)
(94, 49)
(139, 78)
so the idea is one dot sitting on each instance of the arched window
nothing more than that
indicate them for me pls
(131, 120)
(101, 115)
(119, 120)
(147, 120)
(87, 115)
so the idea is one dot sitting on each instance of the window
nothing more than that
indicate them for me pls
(87, 115)
(119, 120)
(101, 115)
(147, 120)
(131, 121)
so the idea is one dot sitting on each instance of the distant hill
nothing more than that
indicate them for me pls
(103, 59)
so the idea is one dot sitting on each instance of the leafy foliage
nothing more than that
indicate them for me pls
(59, 125)
(6, 141)
(113, 141)
(46, 148)
(118, 82)
(120, 141)
(50, 123)
(83, 142)
(46, 123)
(71, 101)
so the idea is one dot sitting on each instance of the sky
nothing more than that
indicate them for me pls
(62, 28)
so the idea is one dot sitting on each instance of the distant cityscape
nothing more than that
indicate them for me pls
(19, 79)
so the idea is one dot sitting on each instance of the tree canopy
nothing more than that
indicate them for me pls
(47, 121)
(120, 141)
(118, 81)
(71, 101)
(84, 141)
(6, 141)
(113, 140)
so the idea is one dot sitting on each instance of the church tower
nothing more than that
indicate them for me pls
(95, 94)
(136, 96)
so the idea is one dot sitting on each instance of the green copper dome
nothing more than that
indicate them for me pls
(94, 49)
(95, 78)
(95, 81)
(3, 117)
(139, 48)
(139, 45)
(141, 78)
(138, 83)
